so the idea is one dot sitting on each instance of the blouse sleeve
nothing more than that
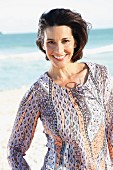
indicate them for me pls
(23, 131)
(108, 103)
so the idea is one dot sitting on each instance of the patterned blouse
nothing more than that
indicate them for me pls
(78, 123)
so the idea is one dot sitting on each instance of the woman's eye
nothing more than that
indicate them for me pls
(51, 42)
(65, 41)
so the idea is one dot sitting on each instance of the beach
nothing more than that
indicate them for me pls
(9, 102)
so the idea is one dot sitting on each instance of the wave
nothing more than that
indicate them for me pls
(23, 56)
(108, 48)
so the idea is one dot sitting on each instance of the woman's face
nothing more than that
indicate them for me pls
(59, 45)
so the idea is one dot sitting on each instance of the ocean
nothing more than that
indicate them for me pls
(21, 62)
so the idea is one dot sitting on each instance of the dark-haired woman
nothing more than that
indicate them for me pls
(72, 99)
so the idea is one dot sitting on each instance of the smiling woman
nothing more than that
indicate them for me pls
(80, 34)
(59, 45)
(74, 101)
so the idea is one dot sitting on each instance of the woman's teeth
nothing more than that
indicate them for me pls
(57, 57)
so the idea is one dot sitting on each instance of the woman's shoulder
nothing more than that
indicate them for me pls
(97, 68)
(92, 65)
(100, 72)
(36, 88)
(41, 83)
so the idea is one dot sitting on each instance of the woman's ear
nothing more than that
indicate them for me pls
(75, 44)
(43, 46)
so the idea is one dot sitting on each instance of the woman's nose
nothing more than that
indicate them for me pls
(59, 49)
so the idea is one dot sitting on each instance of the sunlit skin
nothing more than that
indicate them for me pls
(59, 45)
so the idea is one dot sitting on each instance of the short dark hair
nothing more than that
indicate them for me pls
(72, 19)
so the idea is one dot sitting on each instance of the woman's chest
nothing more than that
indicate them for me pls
(72, 114)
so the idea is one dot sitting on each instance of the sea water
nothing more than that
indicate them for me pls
(21, 62)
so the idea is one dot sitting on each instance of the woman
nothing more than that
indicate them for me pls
(72, 99)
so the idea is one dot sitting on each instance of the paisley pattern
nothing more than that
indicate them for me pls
(78, 123)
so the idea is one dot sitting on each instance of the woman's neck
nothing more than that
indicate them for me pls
(76, 73)
(63, 73)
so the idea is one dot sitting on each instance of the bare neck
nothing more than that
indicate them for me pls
(63, 73)
(76, 73)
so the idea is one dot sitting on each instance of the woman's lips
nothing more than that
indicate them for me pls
(59, 57)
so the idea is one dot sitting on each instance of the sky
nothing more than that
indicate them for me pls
(23, 15)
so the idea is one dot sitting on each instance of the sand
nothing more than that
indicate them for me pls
(9, 102)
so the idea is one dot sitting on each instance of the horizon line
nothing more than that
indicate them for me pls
(32, 32)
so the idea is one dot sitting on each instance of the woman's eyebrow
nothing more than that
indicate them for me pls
(50, 39)
(62, 38)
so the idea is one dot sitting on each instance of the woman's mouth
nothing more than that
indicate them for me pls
(60, 57)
